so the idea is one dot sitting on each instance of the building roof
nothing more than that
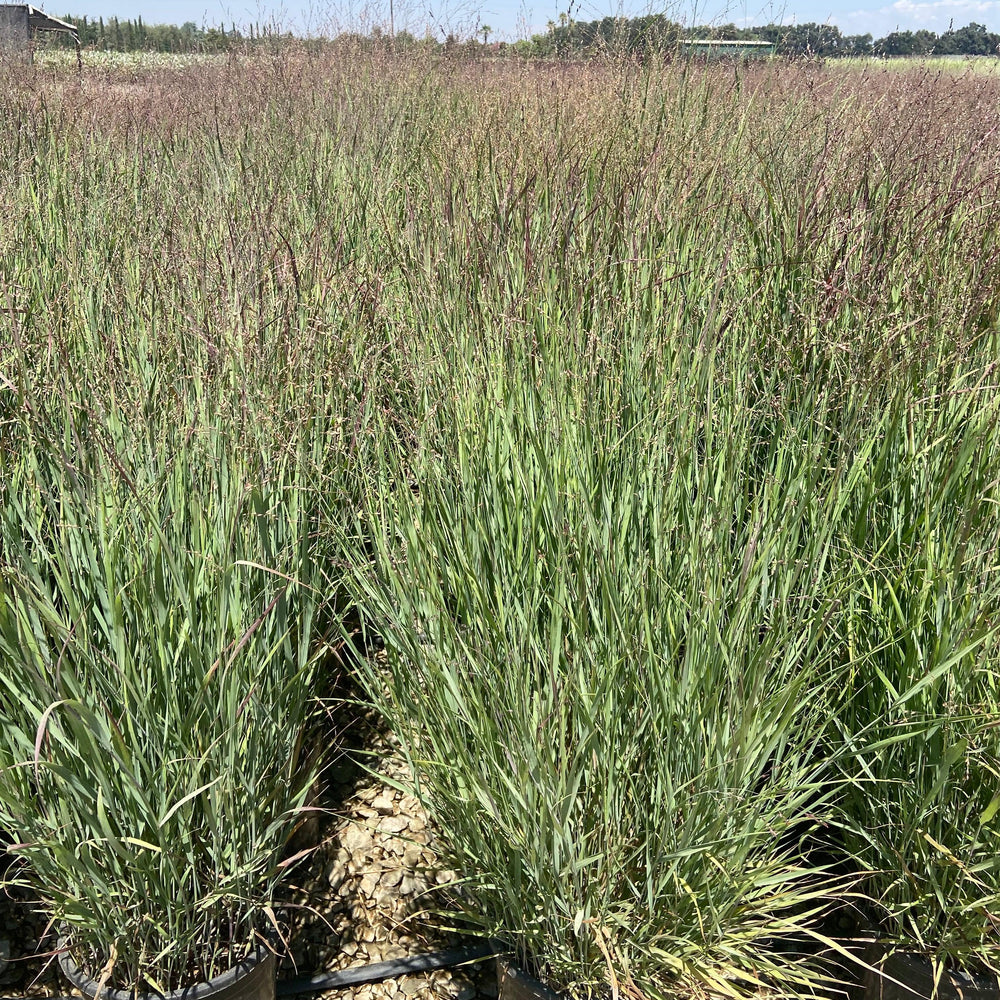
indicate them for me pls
(723, 41)
(38, 20)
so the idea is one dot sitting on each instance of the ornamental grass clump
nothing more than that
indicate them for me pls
(606, 601)
(160, 627)
(922, 719)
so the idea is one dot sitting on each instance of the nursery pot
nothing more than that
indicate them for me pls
(251, 979)
(906, 976)
(516, 984)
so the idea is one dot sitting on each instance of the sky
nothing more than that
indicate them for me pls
(512, 19)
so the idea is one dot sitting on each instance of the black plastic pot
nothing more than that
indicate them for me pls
(252, 979)
(516, 984)
(905, 976)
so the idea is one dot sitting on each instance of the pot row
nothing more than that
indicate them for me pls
(877, 976)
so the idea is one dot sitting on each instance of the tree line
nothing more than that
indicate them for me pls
(628, 36)
(126, 35)
(657, 33)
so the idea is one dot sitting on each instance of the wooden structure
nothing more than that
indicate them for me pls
(20, 23)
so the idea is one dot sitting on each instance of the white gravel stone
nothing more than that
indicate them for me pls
(385, 897)
(408, 804)
(357, 839)
(410, 885)
(412, 856)
(392, 877)
(393, 824)
(384, 805)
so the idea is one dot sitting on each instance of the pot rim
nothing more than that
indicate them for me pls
(508, 966)
(895, 962)
(88, 986)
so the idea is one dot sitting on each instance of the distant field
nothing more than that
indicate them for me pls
(66, 59)
(647, 415)
(955, 64)
(61, 57)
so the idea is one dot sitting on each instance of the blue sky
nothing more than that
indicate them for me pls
(515, 18)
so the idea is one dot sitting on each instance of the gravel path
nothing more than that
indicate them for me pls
(370, 887)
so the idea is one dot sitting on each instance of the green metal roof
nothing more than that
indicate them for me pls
(726, 41)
